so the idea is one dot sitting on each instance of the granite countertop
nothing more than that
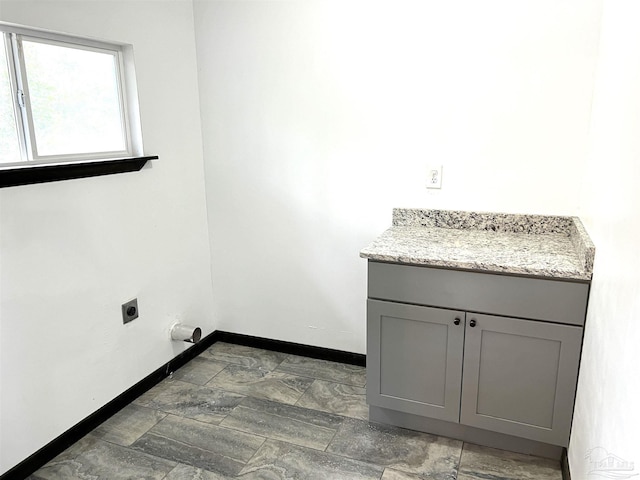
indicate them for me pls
(532, 245)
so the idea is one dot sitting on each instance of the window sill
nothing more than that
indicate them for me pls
(14, 176)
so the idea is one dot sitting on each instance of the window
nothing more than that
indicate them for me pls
(65, 99)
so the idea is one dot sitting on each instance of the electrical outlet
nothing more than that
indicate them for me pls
(434, 176)
(130, 311)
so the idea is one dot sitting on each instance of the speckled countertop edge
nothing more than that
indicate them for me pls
(533, 245)
(585, 248)
(496, 222)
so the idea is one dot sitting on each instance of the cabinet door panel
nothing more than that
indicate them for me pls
(520, 377)
(414, 359)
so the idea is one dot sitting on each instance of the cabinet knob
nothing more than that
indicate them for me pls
(472, 323)
(456, 321)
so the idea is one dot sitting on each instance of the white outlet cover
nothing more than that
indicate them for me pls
(434, 176)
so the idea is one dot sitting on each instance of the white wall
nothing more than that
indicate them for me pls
(607, 414)
(72, 252)
(320, 116)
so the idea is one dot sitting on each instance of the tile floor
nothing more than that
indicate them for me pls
(245, 413)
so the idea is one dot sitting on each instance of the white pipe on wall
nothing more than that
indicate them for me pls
(186, 333)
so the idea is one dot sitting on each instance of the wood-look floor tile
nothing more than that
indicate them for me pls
(300, 426)
(324, 370)
(277, 386)
(312, 417)
(390, 474)
(337, 398)
(245, 356)
(242, 413)
(187, 472)
(478, 463)
(85, 443)
(203, 403)
(209, 447)
(129, 424)
(278, 460)
(147, 396)
(199, 370)
(104, 460)
(421, 454)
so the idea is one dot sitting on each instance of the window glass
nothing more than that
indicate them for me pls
(9, 140)
(75, 101)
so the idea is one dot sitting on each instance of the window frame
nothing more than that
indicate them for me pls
(12, 36)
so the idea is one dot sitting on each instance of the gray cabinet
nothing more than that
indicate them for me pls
(414, 359)
(520, 377)
(515, 376)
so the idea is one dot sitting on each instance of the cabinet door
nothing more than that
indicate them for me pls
(414, 359)
(520, 377)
